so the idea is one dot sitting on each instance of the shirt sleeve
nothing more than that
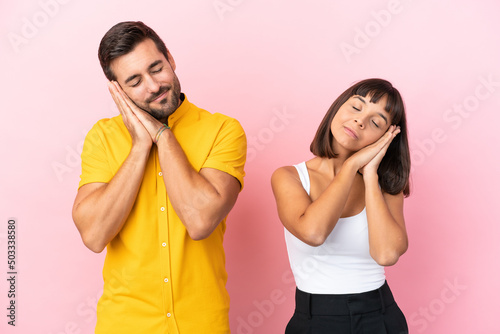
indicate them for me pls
(95, 165)
(229, 151)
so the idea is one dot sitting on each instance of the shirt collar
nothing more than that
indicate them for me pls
(179, 112)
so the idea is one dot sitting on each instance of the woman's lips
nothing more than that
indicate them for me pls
(350, 132)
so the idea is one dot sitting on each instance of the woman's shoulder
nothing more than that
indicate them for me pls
(312, 165)
(284, 172)
(286, 182)
(287, 174)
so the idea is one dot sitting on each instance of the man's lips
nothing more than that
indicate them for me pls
(350, 132)
(160, 97)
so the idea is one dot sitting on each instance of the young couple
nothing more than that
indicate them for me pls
(159, 180)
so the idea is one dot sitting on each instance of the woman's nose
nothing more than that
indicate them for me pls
(360, 122)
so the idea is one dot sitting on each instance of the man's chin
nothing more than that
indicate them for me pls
(160, 114)
(157, 114)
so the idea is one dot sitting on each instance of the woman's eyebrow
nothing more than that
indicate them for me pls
(379, 113)
(382, 115)
(359, 98)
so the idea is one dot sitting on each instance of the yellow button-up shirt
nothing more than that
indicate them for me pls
(156, 278)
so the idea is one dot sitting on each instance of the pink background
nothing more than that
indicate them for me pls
(276, 66)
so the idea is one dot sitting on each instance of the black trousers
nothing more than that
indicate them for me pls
(372, 312)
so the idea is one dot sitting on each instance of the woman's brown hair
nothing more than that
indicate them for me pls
(394, 169)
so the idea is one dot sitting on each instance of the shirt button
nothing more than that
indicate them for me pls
(164, 244)
(166, 280)
(162, 208)
(169, 315)
(160, 173)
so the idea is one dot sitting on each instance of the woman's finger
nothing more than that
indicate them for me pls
(385, 138)
(390, 139)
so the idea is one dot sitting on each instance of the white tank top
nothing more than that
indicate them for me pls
(342, 264)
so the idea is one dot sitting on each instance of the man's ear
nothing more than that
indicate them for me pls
(171, 60)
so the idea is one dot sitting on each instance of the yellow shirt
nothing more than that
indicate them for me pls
(156, 278)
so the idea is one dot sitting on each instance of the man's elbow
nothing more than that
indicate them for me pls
(201, 228)
(95, 245)
(89, 239)
(198, 235)
(83, 227)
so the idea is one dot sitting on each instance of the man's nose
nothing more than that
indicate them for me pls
(152, 85)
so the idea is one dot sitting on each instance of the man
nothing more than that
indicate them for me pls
(157, 183)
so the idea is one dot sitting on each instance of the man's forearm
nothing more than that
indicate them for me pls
(201, 204)
(100, 210)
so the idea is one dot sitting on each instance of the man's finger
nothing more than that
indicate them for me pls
(125, 98)
(126, 101)
(120, 97)
(115, 98)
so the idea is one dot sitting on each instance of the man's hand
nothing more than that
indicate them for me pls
(128, 109)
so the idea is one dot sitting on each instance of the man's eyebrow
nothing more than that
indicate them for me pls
(130, 78)
(379, 113)
(153, 64)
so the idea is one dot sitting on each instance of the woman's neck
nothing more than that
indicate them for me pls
(342, 155)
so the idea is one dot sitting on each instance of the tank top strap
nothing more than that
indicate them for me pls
(304, 176)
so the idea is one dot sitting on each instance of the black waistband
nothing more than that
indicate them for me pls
(344, 304)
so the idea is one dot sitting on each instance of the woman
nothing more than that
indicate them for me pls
(343, 214)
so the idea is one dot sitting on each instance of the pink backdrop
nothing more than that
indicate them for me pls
(276, 66)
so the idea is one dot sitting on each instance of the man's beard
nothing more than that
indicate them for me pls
(168, 105)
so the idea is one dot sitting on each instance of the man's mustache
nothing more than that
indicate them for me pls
(155, 95)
